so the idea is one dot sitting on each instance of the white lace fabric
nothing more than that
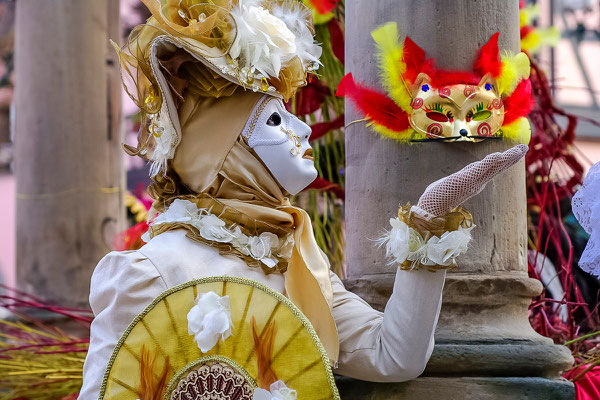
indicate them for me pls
(266, 247)
(444, 195)
(586, 208)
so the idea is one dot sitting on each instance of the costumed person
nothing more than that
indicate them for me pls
(586, 207)
(231, 297)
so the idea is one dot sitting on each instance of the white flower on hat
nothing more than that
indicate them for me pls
(210, 320)
(279, 391)
(263, 42)
(267, 39)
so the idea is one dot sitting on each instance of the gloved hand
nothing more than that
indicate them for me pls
(444, 195)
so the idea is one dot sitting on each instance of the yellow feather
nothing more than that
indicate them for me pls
(537, 38)
(391, 64)
(549, 36)
(514, 69)
(518, 131)
(531, 43)
(528, 14)
(404, 135)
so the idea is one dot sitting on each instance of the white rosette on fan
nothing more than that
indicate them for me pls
(210, 320)
(277, 391)
(586, 207)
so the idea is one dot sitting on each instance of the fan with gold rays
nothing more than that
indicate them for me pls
(271, 340)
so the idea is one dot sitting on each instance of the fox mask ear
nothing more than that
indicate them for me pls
(422, 80)
(488, 60)
(488, 83)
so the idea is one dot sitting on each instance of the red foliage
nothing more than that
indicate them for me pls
(375, 105)
(322, 128)
(587, 382)
(553, 173)
(519, 103)
(131, 239)
(311, 97)
(327, 186)
(336, 37)
(488, 59)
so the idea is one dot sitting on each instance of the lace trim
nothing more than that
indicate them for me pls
(266, 248)
(435, 243)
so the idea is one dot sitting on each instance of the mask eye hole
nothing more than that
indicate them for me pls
(274, 119)
(437, 116)
(481, 115)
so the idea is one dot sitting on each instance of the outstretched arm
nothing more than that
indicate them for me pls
(395, 345)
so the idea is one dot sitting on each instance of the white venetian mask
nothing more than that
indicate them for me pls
(280, 140)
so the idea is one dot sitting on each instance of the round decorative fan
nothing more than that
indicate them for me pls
(271, 340)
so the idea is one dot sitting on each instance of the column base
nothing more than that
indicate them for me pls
(459, 388)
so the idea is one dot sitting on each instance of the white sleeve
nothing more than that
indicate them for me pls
(122, 285)
(395, 345)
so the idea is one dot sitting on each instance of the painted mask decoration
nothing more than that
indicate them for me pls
(457, 112)
(423, 103)
(281, 141)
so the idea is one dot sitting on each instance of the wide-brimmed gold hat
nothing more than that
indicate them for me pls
(212, 48)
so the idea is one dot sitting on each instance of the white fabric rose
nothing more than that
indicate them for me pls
(398, 241)
(264, 248)
(403, 243)
(286, 246)
(279, 391)
(178, 211)
(261, 247)
(214, 228)
(210, 320)
(263, 42)
(445, 249)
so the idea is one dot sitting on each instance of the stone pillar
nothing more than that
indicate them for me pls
(483, 332)
(68, 162)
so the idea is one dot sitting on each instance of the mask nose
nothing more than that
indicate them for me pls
(460, 129)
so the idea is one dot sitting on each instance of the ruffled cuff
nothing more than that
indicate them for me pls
(421, 240)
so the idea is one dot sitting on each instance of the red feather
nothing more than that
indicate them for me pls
(488, 60)
(519, 103)
(323, 6)
(526, 30)
(375, 105)
(449, 77)
(414, 57)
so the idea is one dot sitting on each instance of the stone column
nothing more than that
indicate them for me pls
(68, 162)
(485, 346)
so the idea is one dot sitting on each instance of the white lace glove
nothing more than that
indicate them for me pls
(444, 195)
(419, 239)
